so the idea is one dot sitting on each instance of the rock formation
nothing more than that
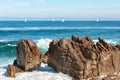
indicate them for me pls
(28, 55)
(81, 58)
(28, 58)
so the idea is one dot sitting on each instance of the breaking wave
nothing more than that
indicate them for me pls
(52, 28)
(43, 44)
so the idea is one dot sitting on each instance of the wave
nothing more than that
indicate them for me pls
(112, 42)
(52, 28)
(8, 48)
(4, 40)
(12, 45)
(43, 44)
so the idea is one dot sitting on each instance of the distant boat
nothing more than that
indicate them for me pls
(25, 20)
(63, 20)
(53, 20)
(97, 20)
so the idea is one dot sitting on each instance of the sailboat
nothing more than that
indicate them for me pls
(63, 20)
(25, 20)
(97, 20)
(53, 20)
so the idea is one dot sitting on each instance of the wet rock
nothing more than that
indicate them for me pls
(28, 55)
(81, 58)
(11, 71)
(28, 58)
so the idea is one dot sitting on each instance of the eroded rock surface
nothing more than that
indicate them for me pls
(29, 58)
(81, 58)
(28, 55)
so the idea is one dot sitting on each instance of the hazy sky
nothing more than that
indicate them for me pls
(68, 9)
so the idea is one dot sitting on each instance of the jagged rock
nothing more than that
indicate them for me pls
(28, 58)
(28, 55)
(81, 58)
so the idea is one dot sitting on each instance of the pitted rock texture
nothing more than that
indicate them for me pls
(81, 58)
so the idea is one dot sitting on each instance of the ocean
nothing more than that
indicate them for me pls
(43, 32)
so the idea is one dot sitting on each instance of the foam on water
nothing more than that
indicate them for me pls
(44, 73)
(3, 67)
(4, 40)
(52, 28)
(47, 73)
(112, 42)
(12, 45)
(43, 44)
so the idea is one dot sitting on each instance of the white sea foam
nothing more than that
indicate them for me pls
(43, 43)
(4, 40)
(113, 42)
(52, 28)
(45, 73)
(11, 44)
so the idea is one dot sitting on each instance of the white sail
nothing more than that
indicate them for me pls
(63, 20)
(25, 20)
(97, 20)
(53, 20)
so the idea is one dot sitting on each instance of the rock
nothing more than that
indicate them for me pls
(11, 71)
(81, 58)
(29, 58)
(28, 55)
(111, 77)
(45, 58)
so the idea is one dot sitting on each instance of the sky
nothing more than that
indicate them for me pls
(60, 9)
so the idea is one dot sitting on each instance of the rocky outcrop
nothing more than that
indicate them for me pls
(28, 58)
(81, 58)
(28, 55)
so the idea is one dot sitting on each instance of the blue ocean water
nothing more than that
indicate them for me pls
(43, 32)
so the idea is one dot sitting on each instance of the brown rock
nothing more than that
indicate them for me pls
(111, 77)
(28, 55)
(28, 58)
(82, 59)
(11, 71)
